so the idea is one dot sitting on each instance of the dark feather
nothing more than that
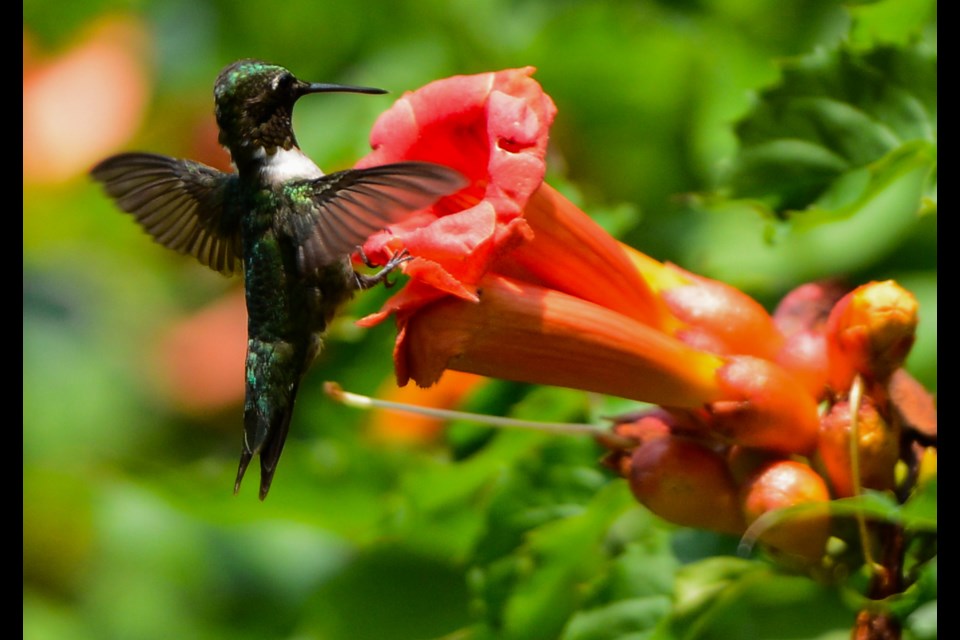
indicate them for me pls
(343, 209)
(184, 205)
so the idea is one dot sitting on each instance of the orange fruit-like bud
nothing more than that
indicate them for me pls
(686, 483)
(870, 331)
(787, 483)
(722, 318)
(766, 407)
(807, 307)
(879, 448)
(804, 354)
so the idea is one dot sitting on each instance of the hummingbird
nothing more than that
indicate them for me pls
(288, 227)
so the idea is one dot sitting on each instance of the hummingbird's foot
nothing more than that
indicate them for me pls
(366, 282)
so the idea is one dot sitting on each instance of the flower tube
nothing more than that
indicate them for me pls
(520, 331)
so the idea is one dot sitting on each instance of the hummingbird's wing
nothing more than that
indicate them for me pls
(183, 204)
(347, 207)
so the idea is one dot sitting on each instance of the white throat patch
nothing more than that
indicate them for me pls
(285, 165)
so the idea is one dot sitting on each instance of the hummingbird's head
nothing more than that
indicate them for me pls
(254, 105)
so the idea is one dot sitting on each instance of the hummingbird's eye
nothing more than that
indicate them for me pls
(283, 81)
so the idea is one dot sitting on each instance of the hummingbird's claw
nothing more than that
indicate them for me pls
(364, 258)
(366, 282)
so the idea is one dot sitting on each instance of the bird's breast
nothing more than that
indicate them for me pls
(282, 302)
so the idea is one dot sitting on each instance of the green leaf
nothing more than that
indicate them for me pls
(547, 593)
(642, 570)
(730, 598)
(892, 21)
(837, 162)
(918, 514)
(921, 508)
(923, 622)
(699, 583)
(879, 506)
(861, 217)
(390, 591)
(632, 619)
(833, 112)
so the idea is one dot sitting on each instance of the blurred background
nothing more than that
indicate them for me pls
(380, 527)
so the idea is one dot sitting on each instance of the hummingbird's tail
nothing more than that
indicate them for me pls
(272, 383)
(275, 427)
(245, 458)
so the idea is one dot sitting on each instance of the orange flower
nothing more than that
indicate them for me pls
(510, 279)
(81, 104)
(721, 318)
(197, 359)
(493, 129)
(520, 331)
(765, 407)
(570, 252)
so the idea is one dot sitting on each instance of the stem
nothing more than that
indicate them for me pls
(562, 428)
(876, 623)
(886, 579)
(856, 400)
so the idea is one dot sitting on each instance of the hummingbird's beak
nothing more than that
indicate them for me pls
(321, 87)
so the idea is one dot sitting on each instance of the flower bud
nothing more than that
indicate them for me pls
(800, 317)
(787, 483)
(717, 313)
(807, 307)
(686, 483)
(879, 447)
(870, 332)
(765, 407)
(804, 355)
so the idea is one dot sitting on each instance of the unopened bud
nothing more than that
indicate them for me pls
(870, 332)
(766, 407)
(879, 448)
(687, 483)
(787, 483)
(722, 319)
(807, 307)
(804, 355)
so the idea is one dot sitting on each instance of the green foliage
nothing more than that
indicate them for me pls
(735, 598)
(839, 157)
(806, 130)
(834, 113)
